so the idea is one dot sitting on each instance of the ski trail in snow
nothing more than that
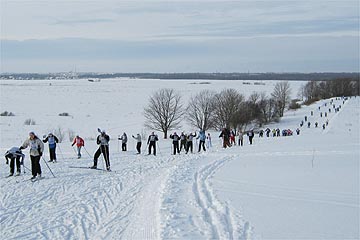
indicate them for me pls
(216, 215)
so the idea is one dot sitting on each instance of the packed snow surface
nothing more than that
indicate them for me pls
(295, 187)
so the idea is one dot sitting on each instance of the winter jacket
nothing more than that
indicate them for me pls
(202, 136)
(152, 138)
(190, 137)
(14, 152)
(123, 138)
(36, 146)
(175, 138)
(138, 138)
(103, 140)
(52, 141)
(79, 142)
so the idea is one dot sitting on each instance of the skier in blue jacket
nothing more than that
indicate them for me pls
(202, 137)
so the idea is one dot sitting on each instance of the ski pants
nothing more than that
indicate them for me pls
(79, 151)
(123, 147)
(183, 144)
(152, 145)
(104, 150)
(138, 147)
(226, 143)
(202, 143)
(176, 147)
(12, 164)
(35, 165)
(251, 139)
(240, 142)
(52, 152)
(189, 146)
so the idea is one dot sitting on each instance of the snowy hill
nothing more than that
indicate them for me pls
(304, 186)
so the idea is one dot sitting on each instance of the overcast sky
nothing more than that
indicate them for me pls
(179, 36)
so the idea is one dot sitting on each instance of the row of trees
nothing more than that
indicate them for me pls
(315, 90)
(211, 110)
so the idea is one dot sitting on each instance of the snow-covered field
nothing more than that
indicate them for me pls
(298, 187)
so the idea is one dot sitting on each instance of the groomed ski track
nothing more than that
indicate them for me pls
(146, 197)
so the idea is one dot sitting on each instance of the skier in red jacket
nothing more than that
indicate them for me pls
(79, 144)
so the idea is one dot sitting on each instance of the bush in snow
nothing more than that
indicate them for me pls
(294, 104)
(59, 133)
(7, 114)
(71, 134)
(29, 121)
(65, 114)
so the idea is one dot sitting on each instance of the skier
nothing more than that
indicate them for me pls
(327, 122)
(309, 124)
(301, 123)
(36, 151)
(182, 141)
(251, 136)
(189, 142)
(124, 140)
(278, 132)
(274, 132)
(325, 114)
(232, 138)
(53, 140)
(79, 144)
(329, 110)
(268, 132)
(103, 141)
(202, 137)
(225, 135)
(323, 126)
(14, 154)
(261, 133)
(316, 124)
(209, 144)
(175, 142)
(298, 131)
(138, 143)
(312, 113)
(305, 118)
(152, 142)
(241, 137)
(321, 114)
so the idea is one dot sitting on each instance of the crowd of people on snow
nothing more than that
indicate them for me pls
(179, 142)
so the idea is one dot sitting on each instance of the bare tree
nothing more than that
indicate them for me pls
(201, 110)
(164, 111)
(281, 95)
(227, 108)
(268, 110)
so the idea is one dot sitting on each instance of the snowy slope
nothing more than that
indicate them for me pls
(267, 190)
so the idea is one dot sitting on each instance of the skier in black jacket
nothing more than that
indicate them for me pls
(152, 142)
(102, 140)
(175, 142)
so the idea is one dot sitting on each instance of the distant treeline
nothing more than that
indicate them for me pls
(208, 76)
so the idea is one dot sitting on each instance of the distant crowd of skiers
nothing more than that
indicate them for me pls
(179, 142)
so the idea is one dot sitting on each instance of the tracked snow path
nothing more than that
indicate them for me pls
(144, 198)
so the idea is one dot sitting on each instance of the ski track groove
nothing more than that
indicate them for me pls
(111, 205)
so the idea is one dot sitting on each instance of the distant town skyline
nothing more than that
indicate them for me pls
(173, 36)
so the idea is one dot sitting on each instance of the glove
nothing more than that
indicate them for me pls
(72, 144)
(22, 162)
(40, 154)
(21, 148)
(7, 161)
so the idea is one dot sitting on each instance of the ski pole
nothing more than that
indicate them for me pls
(26, 168)
(74, 149)
(158, 147)
(48, 166)
(62, 155)
(87, 151)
